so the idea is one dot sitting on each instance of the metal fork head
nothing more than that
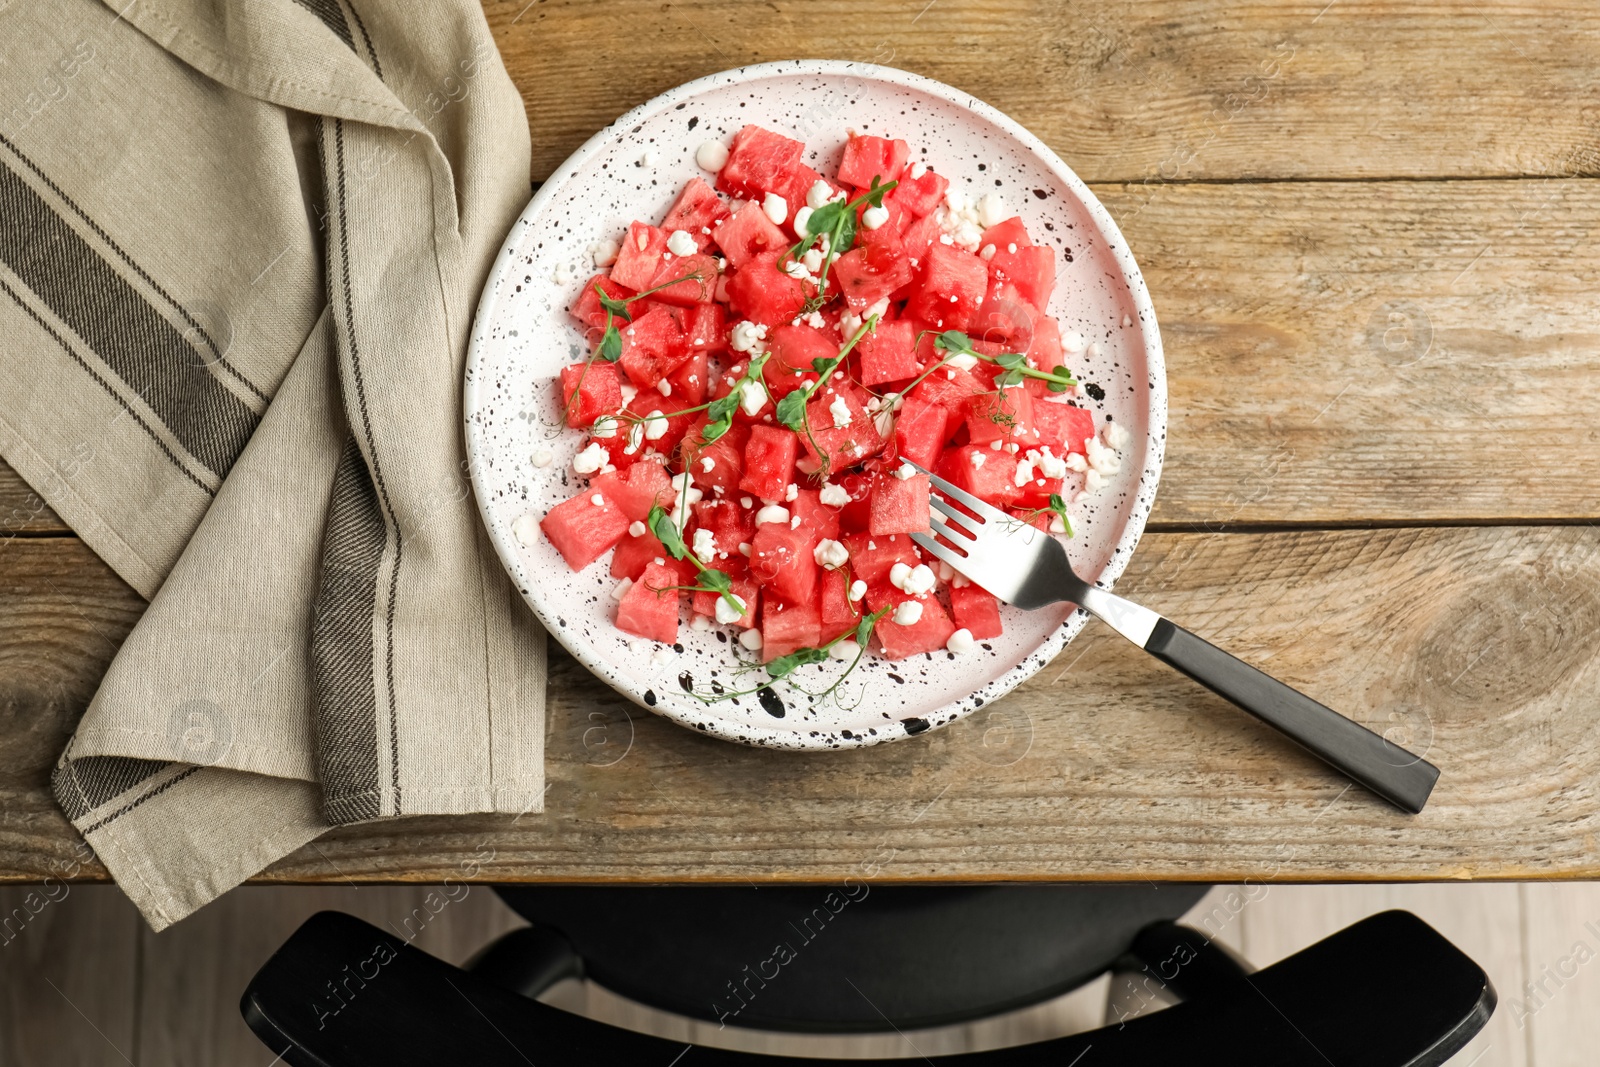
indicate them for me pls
(1016, 561)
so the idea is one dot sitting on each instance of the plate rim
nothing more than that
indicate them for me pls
(1155, 367)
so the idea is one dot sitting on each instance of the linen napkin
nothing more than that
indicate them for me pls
(241, 245)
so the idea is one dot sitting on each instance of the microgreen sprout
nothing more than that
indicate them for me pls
(709, 579)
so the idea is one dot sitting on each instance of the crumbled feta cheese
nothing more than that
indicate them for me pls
(840, 412)
(992, 210)
(744, 548)
(655, 425)
(620, 590)
(752, 397)
(776, 208)
(649, 158)
(961, 360)
(604, 252)
(635, 438)
(1094, 351)
(1101, 459)
(858, 589)
(751, 639)
(905, 470)
(628, 393)
(597, 500)
(908, 613)
(708, 464)
(711, 155)
(874, 217)
(913, 580)
(542, 457)
(772, 513)
(526, 530)
(699, 623)
(794, 523)
(818, 194)
(1073, 343)
(1024, 474)
(1127, 321)
(835, 496)
(961, 642)
(1075, 462)
(1048, 463)
(748, 337)
(1056, 525)
(798, 272)
(1115, 435)
(918, 169)
(801, 218)
(726, 612)
(642, 240)
(791, 492)
(987, 252)
(1012, 248)
(681, 243)
(705, 544)
(976, 459)
(829, 554)
(590, 460)
(945, 571)
(636, 528)
(604, 426)
(562, 275)
(813, 263)
(845, 650)
(1094, 481)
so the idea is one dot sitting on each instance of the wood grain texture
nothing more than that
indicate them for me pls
(22, 510)
(1129, 90)
(1472, 646)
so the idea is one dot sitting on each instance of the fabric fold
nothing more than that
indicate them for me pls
(240, 382)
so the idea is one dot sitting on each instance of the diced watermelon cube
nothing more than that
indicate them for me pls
(748, 235)
(649, 608)
(920, 429)
(653, 346)
(587, 310)
(857, 514)
(871, 273)
(816, 518)
(758, 161)
(1005, 319)
(1002, 415)
(975, 610)
(762, 293)
(872, 558)
(741, 586)
(888, 353)
(718, 465)
(639, 257)
(834, 444)
(1005, 234)
(788, 626)
(690, 382)
(705, 327)
(795, 187)
(794, 348)
(838, 612)
(899, 640)
(1063, 426)
(950, 388)
(730, 524)
(918, 237)
(698, 284)
(634, 554)
(1031, 268)
(920, 195)
(987, 473)
(697, 212)
(643, 486)
(899, 505)
(950, 288)
(781, 559)
(589, 390)
(868, 157)
(583, 531)
(769, 461)
(1044, 352)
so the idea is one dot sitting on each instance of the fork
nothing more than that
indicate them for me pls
(1023, 565)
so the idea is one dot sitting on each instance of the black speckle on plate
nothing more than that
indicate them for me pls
(650, 697)
(770, 701)
(914, 726)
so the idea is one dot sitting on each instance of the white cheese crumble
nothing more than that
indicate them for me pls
(708, 464)
(1115, 435)
(726, 612)
(772, 513)
(746, 502)
(752, 397)
(830, 555)
(918, 169)
(748, 337)
(699, 624)
(1048, 463)
(649, 158)
(628, 393)
(776, 207)
(791, 492)
(655, 425)
(636, 528)
(542, 457)
(874, 217)
(908, 613)
(681, 243)
(845, 650)
(751, 639)
(1024, 474)
(801, 219)
(604, 252)
(835, 496)
(987, 252)
(705, 544)
(526, 530)
(711, 155)
(1074, 343)
(858, 589)
(562, 275)
(590, 459)
(598, 500)
(620, 590)
(813, 263)
(840, 412)
(913, 580)
(664, 387)
(961, 360)
(604, 426)
(961, 642)
(1127, 320)
(905, 471)
(992, 210)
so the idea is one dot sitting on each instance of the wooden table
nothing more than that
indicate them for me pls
(1367, 231)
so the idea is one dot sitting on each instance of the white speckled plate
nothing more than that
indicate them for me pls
(523, 336)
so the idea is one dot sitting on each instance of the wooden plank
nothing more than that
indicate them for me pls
(1468, 644)
(1126, 90)
(1483, 921)
(1554, 1007)
(194, 973)
(1294, 397)
(22, 510)
(69, 977)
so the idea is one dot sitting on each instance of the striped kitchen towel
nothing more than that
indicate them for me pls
(240, 249)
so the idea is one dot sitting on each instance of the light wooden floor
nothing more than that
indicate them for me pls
(83, 982)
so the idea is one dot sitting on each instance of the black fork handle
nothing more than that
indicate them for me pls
(1400, 777)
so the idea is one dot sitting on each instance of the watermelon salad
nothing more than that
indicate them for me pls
(764, 362)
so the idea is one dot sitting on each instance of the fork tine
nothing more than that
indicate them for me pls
(984, 510)
(950, 511)
(955, 535)
(950, 556)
